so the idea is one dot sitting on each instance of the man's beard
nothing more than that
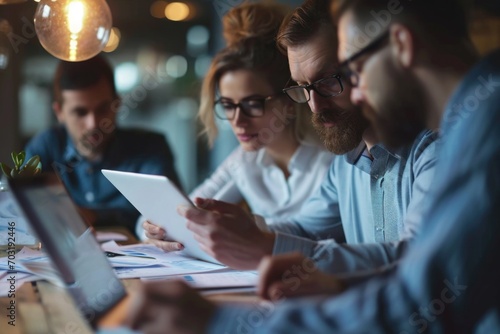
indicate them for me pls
(93, 143)
(399, 120)
(397, 110)
(395, 133)
(347, 132)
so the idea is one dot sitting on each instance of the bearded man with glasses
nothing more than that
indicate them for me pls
(375, 192)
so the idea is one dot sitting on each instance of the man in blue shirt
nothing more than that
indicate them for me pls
(87, 140)
(366, 194)
(448, 280)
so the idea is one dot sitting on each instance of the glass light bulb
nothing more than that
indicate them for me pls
(73, 30)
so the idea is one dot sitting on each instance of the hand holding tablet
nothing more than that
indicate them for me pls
(157, 236)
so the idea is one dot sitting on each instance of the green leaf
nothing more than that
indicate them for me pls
(13, 155)
(21, 156)
(29, 169)
(18, 160)
(32, 162)
(5, 169)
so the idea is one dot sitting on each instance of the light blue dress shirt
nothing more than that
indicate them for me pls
(449, 280)
(367, 199)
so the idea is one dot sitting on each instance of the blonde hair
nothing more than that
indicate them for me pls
(250, 33)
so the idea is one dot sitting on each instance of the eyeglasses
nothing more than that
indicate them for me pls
(326, 87)
(250, 107)
(351, 76)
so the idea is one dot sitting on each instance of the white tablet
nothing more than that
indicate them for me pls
(157, 198)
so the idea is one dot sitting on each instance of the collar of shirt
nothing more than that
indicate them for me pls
(378, 152)
(353, 156)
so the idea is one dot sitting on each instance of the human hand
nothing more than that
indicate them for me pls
(227, 233)
(293, 275)
(169, 307)
(156, 236)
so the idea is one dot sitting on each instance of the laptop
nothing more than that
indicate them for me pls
(157, 199)
(71, 246)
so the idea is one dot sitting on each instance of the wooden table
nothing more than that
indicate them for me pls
(43, 308)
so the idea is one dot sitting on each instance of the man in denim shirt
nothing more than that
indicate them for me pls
(87, 140)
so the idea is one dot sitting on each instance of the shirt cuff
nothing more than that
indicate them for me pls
(286, 243)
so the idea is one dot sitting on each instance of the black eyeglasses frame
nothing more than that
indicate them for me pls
(352, 77)
(241, 106)
(312, 86)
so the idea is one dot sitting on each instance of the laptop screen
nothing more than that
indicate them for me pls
(69, 243)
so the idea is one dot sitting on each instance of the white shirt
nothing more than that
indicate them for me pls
(254, 177)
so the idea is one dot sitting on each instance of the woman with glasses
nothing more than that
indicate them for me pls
(279, 162)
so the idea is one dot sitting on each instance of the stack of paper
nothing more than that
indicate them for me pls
(133, 261)
(165, 263)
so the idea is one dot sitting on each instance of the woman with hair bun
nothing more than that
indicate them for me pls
(280, 162)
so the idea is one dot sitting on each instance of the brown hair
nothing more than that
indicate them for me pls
(304, 22)
(250, 33)
(81, 75)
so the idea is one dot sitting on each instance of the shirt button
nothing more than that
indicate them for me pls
(89, 196)
(379, 229)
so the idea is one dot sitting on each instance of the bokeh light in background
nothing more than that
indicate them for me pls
(177, 11)
(201, 65)
(4, 56)
(177, 66)
(126, 76)
(152, 62)
(114, 40)
(157, 9)
(197, 40)
(5, 30)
